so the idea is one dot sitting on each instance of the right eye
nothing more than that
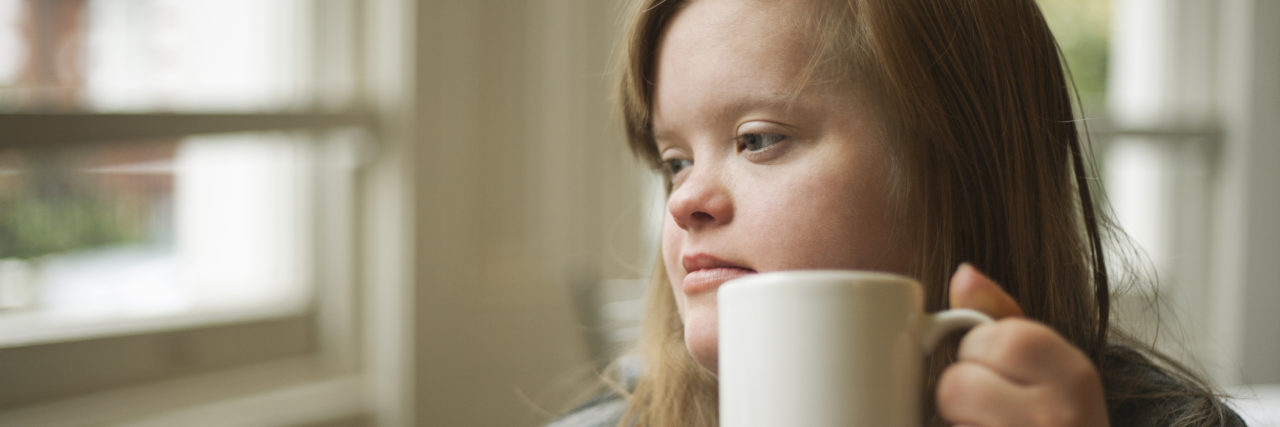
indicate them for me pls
(675, 166)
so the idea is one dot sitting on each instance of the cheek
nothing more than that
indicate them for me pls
(833, 217)
(672, 240)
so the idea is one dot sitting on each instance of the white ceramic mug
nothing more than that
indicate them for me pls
(826, 348)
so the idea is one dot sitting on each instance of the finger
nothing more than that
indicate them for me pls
(972, 394)
(1024, 351)
(974, 290)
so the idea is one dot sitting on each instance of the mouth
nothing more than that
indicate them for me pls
(706, 273)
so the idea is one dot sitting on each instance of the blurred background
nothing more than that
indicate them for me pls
(396, 212)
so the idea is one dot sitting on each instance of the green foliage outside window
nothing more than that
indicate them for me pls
(44, 211)
(33, 227)
(1082, 28)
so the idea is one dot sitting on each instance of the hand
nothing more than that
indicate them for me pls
(1015, 372)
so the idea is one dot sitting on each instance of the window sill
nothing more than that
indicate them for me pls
(287, 392)
(45, 327)
(303, 404)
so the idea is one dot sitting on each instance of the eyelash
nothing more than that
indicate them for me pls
(670, 166)
(673, 167)
(748, 138)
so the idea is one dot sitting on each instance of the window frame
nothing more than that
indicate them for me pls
(335, 377)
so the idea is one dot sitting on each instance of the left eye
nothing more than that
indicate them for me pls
(759, 141)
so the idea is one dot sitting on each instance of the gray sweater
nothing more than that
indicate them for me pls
(602, 411)
(1153, 401)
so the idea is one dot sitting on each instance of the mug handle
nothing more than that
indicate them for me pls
(938, 325)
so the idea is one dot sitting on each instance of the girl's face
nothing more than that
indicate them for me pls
(762, 181)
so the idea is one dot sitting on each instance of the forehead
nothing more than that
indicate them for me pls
(718, 55)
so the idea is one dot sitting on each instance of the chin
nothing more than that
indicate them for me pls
(701, 338)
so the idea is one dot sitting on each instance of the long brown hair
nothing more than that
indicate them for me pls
(989, 162)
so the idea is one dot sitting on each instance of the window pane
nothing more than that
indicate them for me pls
(157, 228)
(1082, 28)
(1138, 176)
(111, 55)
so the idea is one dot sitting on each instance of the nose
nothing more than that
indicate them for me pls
(701, 201)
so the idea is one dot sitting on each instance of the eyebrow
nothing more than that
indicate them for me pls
(729, 110)
(777, 100)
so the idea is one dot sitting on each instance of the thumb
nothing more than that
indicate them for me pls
(973, 290)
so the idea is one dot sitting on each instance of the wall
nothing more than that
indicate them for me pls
(523, 189)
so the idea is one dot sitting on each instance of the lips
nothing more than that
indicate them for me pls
(706, 273)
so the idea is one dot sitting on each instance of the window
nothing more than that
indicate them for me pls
(1184, 135)
(105, 233)
(177, 187)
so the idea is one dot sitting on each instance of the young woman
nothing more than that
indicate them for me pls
(934, 139)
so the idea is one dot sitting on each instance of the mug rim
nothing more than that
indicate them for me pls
(877, 277)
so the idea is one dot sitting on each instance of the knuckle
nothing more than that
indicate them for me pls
(950, 387)
(956, 385)
(1057, 407)
(1084, 376)
(1021, 340)
(1055, 416)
